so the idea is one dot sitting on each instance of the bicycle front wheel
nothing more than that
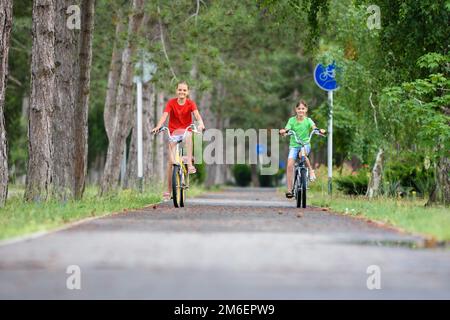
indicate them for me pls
(298, 189)
(184, 184)
(176, 186)
(303, 187)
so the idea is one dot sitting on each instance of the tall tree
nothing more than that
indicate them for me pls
(113, 79)
(123, 102)
(159, 146)
(82, 96)
(40, 167)
(5, 33)
(66, 75)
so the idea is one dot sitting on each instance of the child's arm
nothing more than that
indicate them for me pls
(314, 127)
(198, 117)
(161, 122)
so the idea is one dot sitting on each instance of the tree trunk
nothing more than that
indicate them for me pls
(66, 61)
(123, 103)
(158, 164)
(441, 190)
(373, 189)
(40, 149)
(82, 97)
(255, 177)
(5, 33)
(113, 80)
(208, 118)
(148, 124)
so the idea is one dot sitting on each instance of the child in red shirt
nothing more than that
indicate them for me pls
(179, 110)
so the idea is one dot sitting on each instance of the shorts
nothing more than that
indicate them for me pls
(293, 151)
(176, 138)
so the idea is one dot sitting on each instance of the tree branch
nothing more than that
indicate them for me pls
(164, 44)
(374, 111)
(10, 77)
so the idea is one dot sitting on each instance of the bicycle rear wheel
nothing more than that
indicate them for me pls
(303, 187)
(176, 186)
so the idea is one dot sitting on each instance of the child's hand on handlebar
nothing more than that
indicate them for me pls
(322, 132)
(155, 130)
(282, 132)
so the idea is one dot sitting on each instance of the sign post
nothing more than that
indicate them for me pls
(144, 70)
(324, 76)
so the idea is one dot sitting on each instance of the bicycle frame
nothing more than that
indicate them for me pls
(178, 150)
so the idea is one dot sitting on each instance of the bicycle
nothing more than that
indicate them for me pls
(180, 174)
(301, 175)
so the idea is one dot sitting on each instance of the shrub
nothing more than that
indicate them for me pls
(200, 176)
(242, 174)
(408, 175)
(354, 184)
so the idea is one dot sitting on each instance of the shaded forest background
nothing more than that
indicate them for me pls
(248, 63)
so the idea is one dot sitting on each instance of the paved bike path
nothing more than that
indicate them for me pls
(235, 244)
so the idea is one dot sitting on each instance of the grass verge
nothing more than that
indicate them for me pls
(409, 215)
(20, 218)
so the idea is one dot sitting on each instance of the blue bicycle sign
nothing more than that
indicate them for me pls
(325, 77)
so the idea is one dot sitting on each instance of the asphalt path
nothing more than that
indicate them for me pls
(234, 244)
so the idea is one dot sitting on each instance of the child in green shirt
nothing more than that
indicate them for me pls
(302, 126)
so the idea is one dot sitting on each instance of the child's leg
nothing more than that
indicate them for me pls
(289, 174)
(293, 154)
(312, 174)
(170, 161)
(189, 147)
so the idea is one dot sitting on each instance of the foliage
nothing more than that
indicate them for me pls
(200, 176)
(403, 175)
(355, 184)
(242, 174)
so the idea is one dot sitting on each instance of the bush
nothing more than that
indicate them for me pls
(265, 180)
(354, 184)
(200, 176)
(242, 174)
(408, 175)
(271, 180)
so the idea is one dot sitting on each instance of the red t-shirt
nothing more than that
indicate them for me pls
(180, 116)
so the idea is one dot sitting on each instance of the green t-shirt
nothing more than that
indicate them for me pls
(302, 129)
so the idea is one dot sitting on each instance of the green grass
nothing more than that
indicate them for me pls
(20, 218)
(410, 215)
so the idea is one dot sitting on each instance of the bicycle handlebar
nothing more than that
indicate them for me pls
(299, 141)
(193, 126)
